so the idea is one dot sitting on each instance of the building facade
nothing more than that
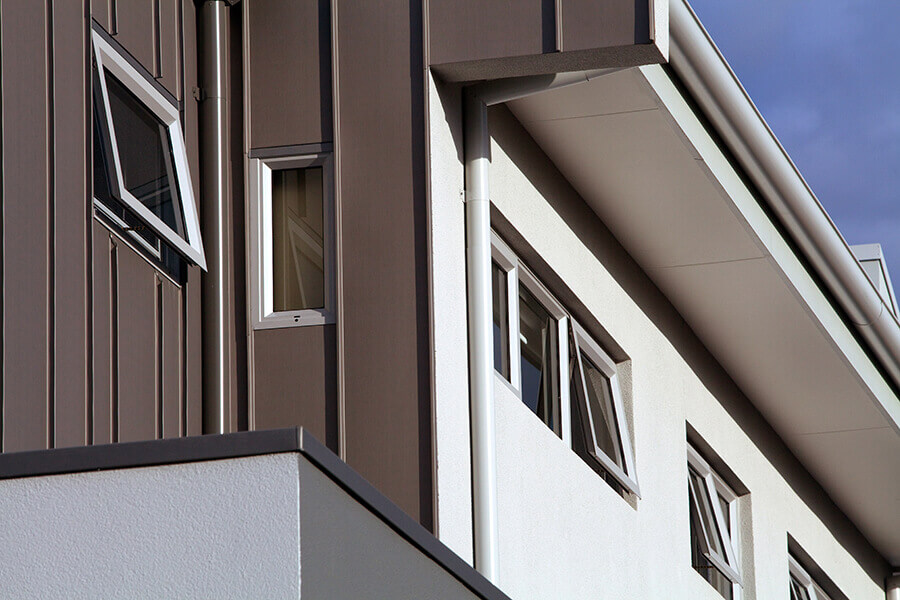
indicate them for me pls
(560, 311)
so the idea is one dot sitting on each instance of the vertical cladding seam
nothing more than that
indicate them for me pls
(159, 356)
(182, 111)
(157, 42)
(2, 246)
(89, 229)
(114, 339)
(51, 227)
(338, 221)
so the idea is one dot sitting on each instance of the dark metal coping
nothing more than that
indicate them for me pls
(249, 443)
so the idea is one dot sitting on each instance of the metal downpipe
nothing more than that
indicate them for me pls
(477, 150)
(215, 202)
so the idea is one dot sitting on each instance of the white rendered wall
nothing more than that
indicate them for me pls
(451, 383)
(563, 532)
(220, 529)
(269, 527)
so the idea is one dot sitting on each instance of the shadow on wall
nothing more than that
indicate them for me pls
(562, 197)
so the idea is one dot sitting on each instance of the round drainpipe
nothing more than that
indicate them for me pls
(477, 149)
(215, 204)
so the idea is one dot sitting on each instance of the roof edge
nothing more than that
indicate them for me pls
(717, 90)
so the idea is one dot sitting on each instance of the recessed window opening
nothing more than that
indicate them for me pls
(292, 265)
(558, 371)
(802, 585)
(713, 526)
(141, 178)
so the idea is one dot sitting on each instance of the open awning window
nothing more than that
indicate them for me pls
(144, 153)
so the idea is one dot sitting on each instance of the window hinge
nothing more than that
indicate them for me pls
(198, 94)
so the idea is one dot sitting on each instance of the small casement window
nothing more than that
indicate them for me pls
(713, 522)
(292, 264)
(558, 371)
(141, 175)
(802, 585)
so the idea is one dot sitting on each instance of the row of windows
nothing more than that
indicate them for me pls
(566, 379)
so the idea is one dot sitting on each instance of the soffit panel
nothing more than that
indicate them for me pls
(644, 184)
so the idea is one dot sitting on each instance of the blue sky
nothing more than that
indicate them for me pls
(824, 75)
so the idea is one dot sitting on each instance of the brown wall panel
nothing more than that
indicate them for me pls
(290, 72)
(191, 299)
(385, 356)
(72, 221)
(169, 46)
(102, 340)
(295, 380)
(100, 13)
(135, 24)
(463, 30)
(172, 363)
(27, 184)
(137, 351)
(592, 24)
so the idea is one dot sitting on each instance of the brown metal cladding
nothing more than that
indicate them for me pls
(464, 30)
(191, 302)
(168, 47)
(384, 355)
(590, 24)
(101, 13)
(295, 380)
(290, 72)
(171, 360)
(27, 184)
(136, 341)
(102, 340)
(72, 225)
(135, 22)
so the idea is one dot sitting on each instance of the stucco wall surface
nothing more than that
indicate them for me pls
(220, 529)
(563, 532)
(270, 526)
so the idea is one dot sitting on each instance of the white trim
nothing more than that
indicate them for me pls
(263, 315)
(728, 533)
(584, 343)
(109, 60)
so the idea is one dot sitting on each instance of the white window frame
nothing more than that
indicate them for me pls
(262, 298)
(803, 578)
(584, 343)
(517, 274)
(109, 60)
(729, 564)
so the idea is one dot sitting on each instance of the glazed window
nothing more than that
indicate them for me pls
(558, 371)
(802, 585)
(141, 176)
(291, 238)
(713, 523)
(599, 409)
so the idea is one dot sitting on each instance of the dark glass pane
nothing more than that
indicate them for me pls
(145, 155)
(700, 563)
(298, 230)
(539, 351)
(501, 320)
(599, 393)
